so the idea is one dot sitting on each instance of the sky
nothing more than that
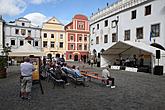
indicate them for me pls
(39, 11)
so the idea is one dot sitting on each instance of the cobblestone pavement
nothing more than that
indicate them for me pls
(134, 91)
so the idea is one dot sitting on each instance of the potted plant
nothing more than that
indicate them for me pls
(3, 61)
(3, 65)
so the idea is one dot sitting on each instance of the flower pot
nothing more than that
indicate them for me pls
(3, 73)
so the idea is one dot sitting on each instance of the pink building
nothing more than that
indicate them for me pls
(77, 34)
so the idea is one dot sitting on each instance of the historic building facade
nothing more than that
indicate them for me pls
(128, 20)
(1, 35)
(53, 38)
(77, 35)
(20, 31)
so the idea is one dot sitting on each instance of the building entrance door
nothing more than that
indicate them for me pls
(75, 57)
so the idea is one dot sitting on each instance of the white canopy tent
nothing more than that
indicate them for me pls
(127, 49)
(26, 50)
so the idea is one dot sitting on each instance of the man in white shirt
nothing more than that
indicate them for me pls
(26, 78)
(107, 76)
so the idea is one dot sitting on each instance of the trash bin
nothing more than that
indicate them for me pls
(158, 70)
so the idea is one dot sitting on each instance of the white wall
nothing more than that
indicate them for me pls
(125, 23)
(1, 36)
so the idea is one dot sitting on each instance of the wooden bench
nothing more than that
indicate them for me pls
(95, 76)
(85, 71)
(94, 73)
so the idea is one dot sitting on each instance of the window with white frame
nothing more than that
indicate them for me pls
(36, 43)
(114, 37)
(45, 44)
(52, 44)
(97, 40)
(105, 38)
(106, 23)
(21, 42)
(61, 36)
(61, 44)
(127, 35)
(148, 10)
(139, 33)
(13, 42)
(155, 30)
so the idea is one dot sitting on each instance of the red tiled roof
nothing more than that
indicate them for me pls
(28, 38)
(79, 16)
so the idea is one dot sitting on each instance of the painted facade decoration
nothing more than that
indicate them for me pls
(53, 38)
(77, 35)
(20, 31)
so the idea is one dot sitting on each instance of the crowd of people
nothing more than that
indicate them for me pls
(58, 69)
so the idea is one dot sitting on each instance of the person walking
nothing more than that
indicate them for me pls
(26, 78)
(107, 76)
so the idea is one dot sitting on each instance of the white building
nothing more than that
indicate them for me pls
(1, 35)
(140, 21)
(21, 30)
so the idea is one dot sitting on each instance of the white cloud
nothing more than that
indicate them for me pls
(37, 1)
(12, 7)
(36, 18)
(42, 1)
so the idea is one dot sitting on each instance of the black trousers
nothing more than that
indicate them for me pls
(111, 79)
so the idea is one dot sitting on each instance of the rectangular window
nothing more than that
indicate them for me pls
(127, 35)
(71, 38)
(97, 26)
(52, 44)
(36, 43)
(148, 10)
(52, 35)
(85, 38)
(106, 23)
(97, 40)
(12, 42)
(61, 36)
(139, 33)
(85, 47)
(81, 25)
(80, 47)
(45, 35)
(93, 30)
(70, 56)
(21, 42)
(44, 43)
(23, 31)
(105, 38)
(133, 15)
(114, 39)
(155, 30)
(80, 39)
(16, 31)
(71, 47)
(29, 32)
(61, 44)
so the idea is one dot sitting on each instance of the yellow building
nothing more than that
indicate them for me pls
(53, 38)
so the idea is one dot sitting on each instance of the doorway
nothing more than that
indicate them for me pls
(75, 57)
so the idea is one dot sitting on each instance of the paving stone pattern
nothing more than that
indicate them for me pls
(134, 91)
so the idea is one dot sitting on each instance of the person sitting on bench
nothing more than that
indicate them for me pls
(59, 74)
(107, 76)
